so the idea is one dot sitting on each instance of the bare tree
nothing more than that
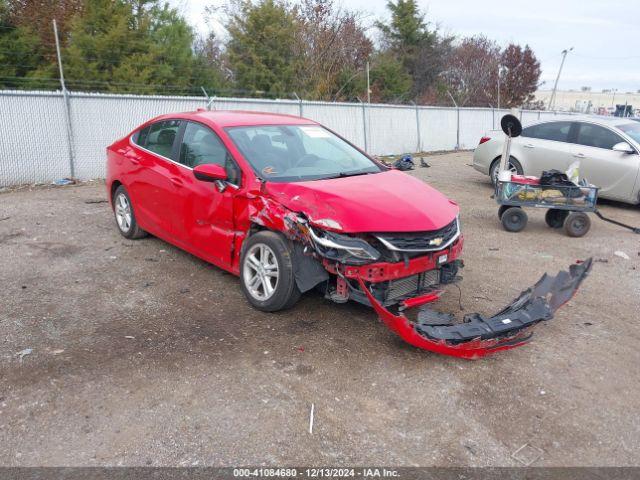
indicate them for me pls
(472, 71)
(332, 43)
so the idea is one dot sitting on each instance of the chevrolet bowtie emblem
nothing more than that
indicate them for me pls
(435, 242)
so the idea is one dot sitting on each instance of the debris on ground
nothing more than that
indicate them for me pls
(65, 181)
(57, 351)
(404, 163)
(601, 260)
(494, 249)
(129, 337)
(151, 259)
(23, 353)
(184, 290)
(311, 419)
(4, 218)
(91, 202)
(621, 254)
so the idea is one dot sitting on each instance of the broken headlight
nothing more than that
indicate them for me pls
(343, 248)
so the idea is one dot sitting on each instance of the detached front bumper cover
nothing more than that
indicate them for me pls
(477, 335)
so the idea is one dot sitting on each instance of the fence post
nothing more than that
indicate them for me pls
(538, 114)
(458, 128)
(493, 119)
(418, 127)
(67, 105)
(364, 125)
(299, 103)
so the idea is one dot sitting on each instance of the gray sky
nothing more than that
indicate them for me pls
(602, 32)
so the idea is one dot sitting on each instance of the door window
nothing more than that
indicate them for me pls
(557, 131)
(159, 137)
(596, 136)
(201, 146)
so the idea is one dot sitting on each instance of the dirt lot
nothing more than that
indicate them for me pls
(145, 355)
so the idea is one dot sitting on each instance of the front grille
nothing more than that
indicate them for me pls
(411, 286)
(420, 241)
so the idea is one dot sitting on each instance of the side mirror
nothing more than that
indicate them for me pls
(210, 172)
(623, 147)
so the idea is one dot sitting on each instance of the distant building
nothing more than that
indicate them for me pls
(587, 101)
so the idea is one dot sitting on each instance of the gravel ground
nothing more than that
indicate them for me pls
(144, 355)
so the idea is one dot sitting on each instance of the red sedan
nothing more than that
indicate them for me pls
(289, 206)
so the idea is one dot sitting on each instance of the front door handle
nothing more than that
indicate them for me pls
(579, 155)
(529, 145)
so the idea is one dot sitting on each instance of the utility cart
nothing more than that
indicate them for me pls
(567, 205)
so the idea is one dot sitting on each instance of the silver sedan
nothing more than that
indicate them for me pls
(608, 150)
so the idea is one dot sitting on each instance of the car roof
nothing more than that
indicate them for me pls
(235, 118)
(608, 121)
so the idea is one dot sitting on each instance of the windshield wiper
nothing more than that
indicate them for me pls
(346, 174)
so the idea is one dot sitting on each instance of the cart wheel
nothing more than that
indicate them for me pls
(514, 219)
(502, 209)
(577, 224)
(555, 217)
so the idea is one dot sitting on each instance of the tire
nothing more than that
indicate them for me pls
(514, 219)
(577, 224)
(502, 209)
(514, 166)
(555, 217)
(125, 215)
(266, 256)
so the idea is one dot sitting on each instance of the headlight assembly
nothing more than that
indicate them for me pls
(343, 248)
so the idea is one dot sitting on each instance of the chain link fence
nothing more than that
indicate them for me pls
(43, 139)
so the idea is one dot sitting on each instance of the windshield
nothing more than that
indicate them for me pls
(631, 129)
(290, 153)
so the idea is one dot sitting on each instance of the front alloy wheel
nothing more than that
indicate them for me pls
(261, 272)
(266, 272)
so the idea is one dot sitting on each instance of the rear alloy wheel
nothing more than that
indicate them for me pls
(514, 167)
(514, 219)
(555, 217)
(577, 224)
(266, 273)
(125, 218)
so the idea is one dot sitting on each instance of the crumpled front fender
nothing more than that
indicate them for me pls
(477, 335)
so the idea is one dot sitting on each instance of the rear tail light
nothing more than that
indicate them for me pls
(484, 139)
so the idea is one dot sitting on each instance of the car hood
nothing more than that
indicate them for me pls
(389, 201)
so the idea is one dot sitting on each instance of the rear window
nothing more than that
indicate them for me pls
(557, 131)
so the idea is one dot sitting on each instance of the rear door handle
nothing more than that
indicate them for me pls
(579, 155)
(177, 182)
(529, 145)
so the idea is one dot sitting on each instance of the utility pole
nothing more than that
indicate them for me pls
(67, 106)
(555, 85)
(368, 85)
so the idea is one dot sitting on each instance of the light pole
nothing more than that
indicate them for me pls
(555, 85)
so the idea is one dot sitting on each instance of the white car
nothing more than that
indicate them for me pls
(608, 150)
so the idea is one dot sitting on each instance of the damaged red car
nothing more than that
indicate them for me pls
(290, 206)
